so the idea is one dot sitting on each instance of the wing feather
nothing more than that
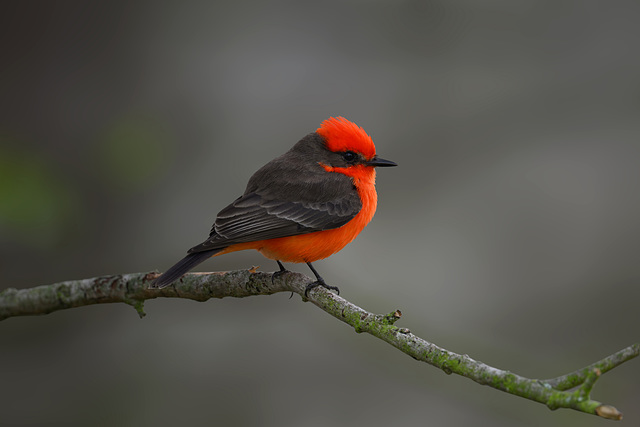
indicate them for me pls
(252, 218)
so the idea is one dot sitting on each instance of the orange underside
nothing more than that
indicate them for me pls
(320, 244)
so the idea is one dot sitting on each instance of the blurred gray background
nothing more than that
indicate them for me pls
(510, 231)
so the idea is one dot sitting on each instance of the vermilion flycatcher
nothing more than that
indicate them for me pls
(300, 207)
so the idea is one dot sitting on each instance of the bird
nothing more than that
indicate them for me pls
(301, 207)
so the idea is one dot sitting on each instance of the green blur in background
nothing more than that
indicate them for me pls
(36, 204)
(510, 230)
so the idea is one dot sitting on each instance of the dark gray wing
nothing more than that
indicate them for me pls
(252, 218)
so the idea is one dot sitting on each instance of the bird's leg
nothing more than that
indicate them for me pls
(277, 274)
(319, 282)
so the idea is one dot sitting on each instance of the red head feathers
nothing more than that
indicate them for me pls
(343, 135)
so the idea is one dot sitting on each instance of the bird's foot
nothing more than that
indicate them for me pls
(277, 274)
(320, 283)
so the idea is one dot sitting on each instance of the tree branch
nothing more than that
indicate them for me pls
(567, 391)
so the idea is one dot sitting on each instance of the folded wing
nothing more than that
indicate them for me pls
(253, 217)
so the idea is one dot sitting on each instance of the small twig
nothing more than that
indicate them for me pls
(572, 390)
(574, 379)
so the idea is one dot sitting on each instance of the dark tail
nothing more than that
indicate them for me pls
(181, 267)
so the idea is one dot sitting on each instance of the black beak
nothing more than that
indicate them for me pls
(377, 161)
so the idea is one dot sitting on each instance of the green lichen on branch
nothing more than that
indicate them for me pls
(571, 391)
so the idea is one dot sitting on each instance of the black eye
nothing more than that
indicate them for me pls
(349, 156)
